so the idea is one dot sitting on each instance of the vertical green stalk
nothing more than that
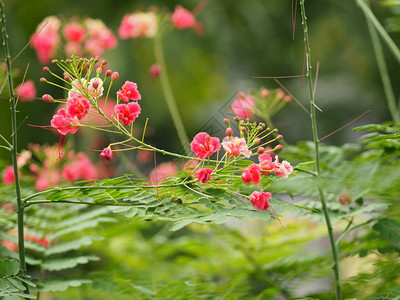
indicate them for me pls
(20, 210)
(316, 148)
(169, 97)
(387, 86)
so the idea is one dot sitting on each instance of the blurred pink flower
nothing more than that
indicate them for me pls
(203, 145)
(154, 71)
(139, 24)
(243, 106)
(182, 18)
(26, 91)
(8, 175)
(46, 41)
(74, 32)
(162, 172)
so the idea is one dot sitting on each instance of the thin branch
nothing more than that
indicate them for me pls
(278, 77)
(290, 94)
(30, 41)
(316, 79)
(343, 127)
(22, 82)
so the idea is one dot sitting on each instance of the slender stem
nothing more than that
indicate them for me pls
(381, 30)
(316, 149)
(20, 209)
(387, 86)
(169, 97)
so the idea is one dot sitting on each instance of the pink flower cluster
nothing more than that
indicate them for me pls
(128, 112)
(245, 106)
(138, 24)
(266, 166)
(88, 36)
(182, 18)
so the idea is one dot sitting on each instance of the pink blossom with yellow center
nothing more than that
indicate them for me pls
(78, 107)
(234, 146)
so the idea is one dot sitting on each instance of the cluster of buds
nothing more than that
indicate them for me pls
(83, 37)
(263, 103)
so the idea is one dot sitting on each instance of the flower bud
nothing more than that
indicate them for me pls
(280, 137)
(47, 98)
(67, 78)
(95, 84)
(53, 61)
(43, 80)
(104, 62)
(46, 69)
(278, 148)
(229, 131)
(264, 93)
(236, 118)
(108, 73)
(114, 76)
(256, 141)
(260, 150)
(243, 129)
(226, 121)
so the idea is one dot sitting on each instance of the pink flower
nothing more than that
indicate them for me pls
(138, 24)
(260, 200)
(127, 113)
(100, 37)
(204, 175)
(251, 174)
(26, 91)
(78, 107)
(46, 41)
(162, 172)
(144, 156)
(235, 146)
(73, 47)
(106, 153)
(154, 71)
(74, 32)
(283, 169)
(266, 163)
(182, 18)
(129, 91)
(47, 178)
(203, 145)
(243, 106)
(78, 88)
(64, 123)
(8, 175)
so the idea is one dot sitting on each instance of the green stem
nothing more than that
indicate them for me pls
(387, 86)
(20, 209)
(381, 30)
(316, 149)
(169, 97)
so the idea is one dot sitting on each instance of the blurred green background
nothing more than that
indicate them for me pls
(242, 39)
